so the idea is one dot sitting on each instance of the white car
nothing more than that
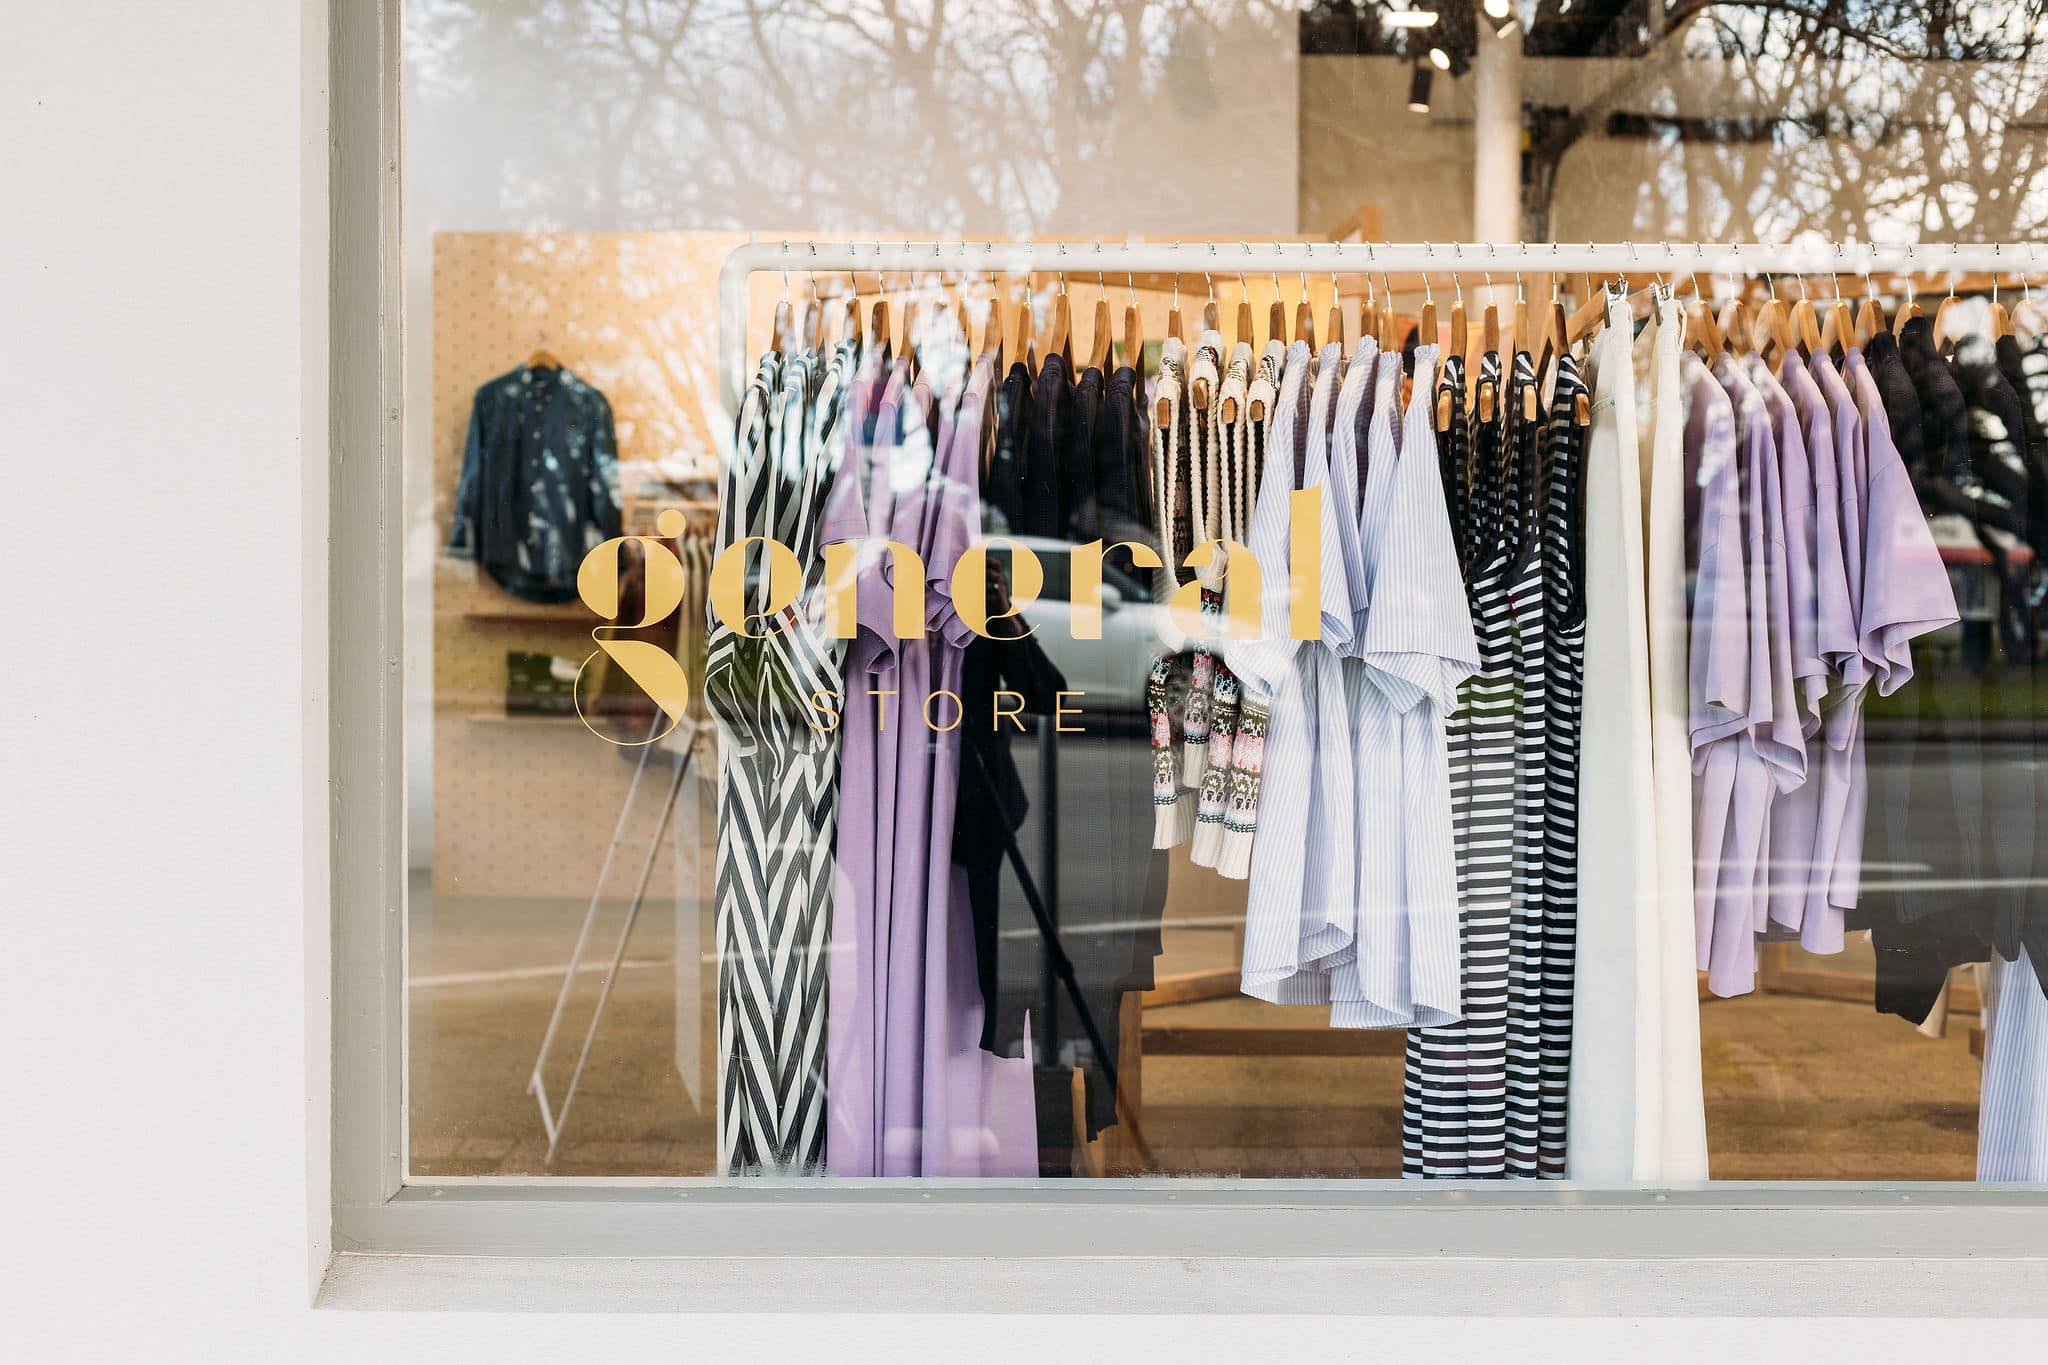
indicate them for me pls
(1135, 630)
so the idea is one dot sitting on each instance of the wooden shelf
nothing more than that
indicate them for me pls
(530, 616)
(1285, 1041)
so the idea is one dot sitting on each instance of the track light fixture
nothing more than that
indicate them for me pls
(1418, 89)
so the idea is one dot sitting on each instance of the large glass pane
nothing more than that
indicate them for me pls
(1649, 793)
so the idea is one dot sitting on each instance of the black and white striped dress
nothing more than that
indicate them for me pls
(1526, 554)
(1564, 447)
(1453, 1101)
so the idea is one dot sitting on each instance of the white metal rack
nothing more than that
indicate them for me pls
(1435, 261)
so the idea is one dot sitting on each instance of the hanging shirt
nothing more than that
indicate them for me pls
(1838, 835)
(1719, 675)
(1819, 587)
(1303, 838)
(540, 482)
(1417, 647)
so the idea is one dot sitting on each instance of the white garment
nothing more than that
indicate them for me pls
(1671, 1116)
(1618, 887)
(1301, 856)
(1415, 649)
(2012, 1120)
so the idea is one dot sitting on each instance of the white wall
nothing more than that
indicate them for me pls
(162, 364)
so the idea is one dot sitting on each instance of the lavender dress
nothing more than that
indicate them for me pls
(911, 1093)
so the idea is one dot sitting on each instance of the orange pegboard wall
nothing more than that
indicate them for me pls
(525, 805)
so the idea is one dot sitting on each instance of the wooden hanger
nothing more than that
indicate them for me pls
(878, 319)
(1944, 334)
(1734, 322)
(1134, 332)
(1908, 310)
(1427, 333)
(1588, 317)
(1173, 327)
(1023, 335)
(988, 345)
(1869, 314)
(1098, 345)
(908, 344)
(1198, 385)
(1336, 330)
(1244, 315)
(2000, 321)
(1772, 328)
(1060, 343)
(782, 332)
(1460, 335)
(1305, 318)
(1839, 331)
(1805, 323)
(1518, 326)
(1489, 344)
(1701, 327)
(544, 359)
(849, 326)
(814, 308)
(1369, 313)
(1556, 327)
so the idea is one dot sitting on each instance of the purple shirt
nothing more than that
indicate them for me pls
(1906, 591)
(1718, 670)
(1824, 625)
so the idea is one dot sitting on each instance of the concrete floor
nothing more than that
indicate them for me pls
(1797, 1088)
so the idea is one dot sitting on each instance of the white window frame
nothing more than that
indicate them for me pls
(1729, 1247)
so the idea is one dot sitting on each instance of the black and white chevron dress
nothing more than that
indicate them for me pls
(777, 781)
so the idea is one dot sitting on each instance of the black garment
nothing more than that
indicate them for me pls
(1949, 480)
(539, 488)
(2012, 365)
(1077, 477)
(1901, 404)
(1954, 782)
(1077, 472)
(1052, 399)
(1122, 492)
(1002, 506)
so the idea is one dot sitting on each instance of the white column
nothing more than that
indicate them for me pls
(1497, 137)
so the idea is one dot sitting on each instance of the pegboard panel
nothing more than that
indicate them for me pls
(524, 805)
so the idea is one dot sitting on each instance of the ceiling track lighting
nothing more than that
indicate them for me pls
(1418, 89)
(1408, 18)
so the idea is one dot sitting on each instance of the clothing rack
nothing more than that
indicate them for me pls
(1423, 261)
(1413, 268)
